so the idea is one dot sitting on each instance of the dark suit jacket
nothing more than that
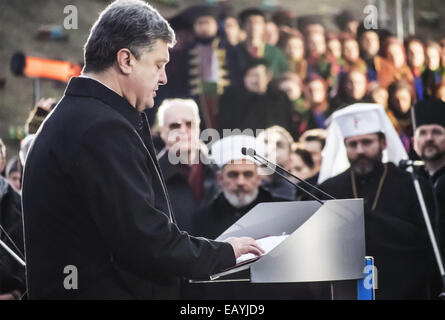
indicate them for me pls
(94, 198)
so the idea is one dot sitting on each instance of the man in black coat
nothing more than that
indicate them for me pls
(395, 232)
(12, 274)
(254, 105)
(429, 144)
(97, 219)
(188, 172)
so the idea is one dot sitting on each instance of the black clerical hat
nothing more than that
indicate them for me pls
(429, 111)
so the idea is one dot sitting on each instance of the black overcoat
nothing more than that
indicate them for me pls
(94, 198)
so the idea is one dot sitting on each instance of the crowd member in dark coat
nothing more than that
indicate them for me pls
(254, 106)
(189, 175)
(429, 144)
(395, 232)
(12, 274)
(94, 199)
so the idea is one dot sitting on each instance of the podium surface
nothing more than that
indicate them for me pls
(325, 243)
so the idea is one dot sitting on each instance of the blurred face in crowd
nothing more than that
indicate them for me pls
(356, 85)
(239, 180)
(433, 57)
(316, 44)
(370, 43)
(257, 79)
(351, 50)
(291, 88)
(295, 49)
(380, 96)
(278, 148)
(429, 142)
(416, 56)
(365, 152)
(2, 159)
(396, 55)
(298, 167)
(232, 30)
(272, 33)
(314, 147)
(334, 48)
(352, 27)
(255, 27)
(15, 180)
(181, 128)
(317, 91)
(402, 100)
(205, 27)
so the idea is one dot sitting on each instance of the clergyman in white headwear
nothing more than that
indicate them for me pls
(359, 159)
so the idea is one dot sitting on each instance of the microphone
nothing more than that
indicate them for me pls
(252, 153)
(405, 163)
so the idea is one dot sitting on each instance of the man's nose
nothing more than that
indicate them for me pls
(163, 78)
(240, 180)
(360, 149)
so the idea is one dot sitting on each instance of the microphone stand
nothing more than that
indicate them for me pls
(430, 231)
(252, 153)
(12, 253)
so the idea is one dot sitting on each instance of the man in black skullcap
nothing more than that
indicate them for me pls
(429, 144)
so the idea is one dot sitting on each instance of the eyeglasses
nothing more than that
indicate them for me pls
(177, 125)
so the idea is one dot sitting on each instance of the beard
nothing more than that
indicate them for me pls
(437, 155)
(364, 165)
(239, 199)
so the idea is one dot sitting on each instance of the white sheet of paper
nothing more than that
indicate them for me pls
(266, 243)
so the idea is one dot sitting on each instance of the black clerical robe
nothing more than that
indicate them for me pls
(394, 231)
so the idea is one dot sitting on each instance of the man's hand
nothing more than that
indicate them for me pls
(244, 245)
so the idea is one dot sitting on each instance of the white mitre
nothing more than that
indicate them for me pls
(354, 120)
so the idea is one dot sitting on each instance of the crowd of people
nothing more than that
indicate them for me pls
(289, 81)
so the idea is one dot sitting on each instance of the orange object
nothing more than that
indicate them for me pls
(51, 69)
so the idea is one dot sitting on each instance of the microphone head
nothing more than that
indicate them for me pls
(248, 151)
(405, 163)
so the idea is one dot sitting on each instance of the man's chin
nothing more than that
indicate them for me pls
(433, 156)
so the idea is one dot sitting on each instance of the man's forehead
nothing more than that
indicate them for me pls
(178, 112)
(239, 165)
(160, 51)
(429, 127)
(360, 137)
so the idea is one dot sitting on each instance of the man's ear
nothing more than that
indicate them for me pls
(383, 143)
(125, 61)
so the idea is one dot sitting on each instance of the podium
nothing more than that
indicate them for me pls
(325, 243)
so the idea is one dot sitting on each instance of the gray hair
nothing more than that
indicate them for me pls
(167, 104)
(131, 24)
